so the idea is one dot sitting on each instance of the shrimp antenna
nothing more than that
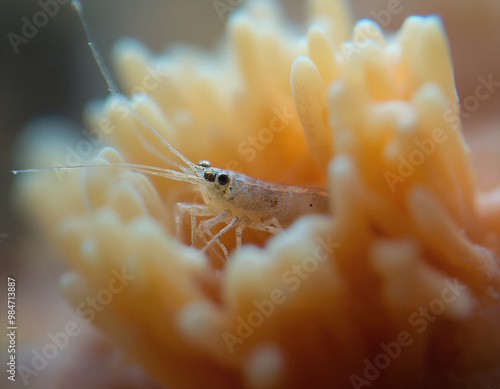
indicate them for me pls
(150, 170)
(113, 87)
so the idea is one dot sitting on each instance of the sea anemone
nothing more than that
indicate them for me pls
(397, 286)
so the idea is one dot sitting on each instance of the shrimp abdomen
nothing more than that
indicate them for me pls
(261, 200)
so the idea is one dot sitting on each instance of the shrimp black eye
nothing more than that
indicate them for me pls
(223, 179)
(209, 176)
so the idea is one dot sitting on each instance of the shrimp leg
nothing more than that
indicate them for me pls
(199, 210)
(223, 216)
(194, 210)
(271, 225)
(239, 231)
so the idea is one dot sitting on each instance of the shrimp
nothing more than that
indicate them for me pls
(230, 197)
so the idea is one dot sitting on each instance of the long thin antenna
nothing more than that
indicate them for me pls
(151, 170)
(113, 87)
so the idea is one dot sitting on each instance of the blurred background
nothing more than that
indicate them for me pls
(54, 73)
